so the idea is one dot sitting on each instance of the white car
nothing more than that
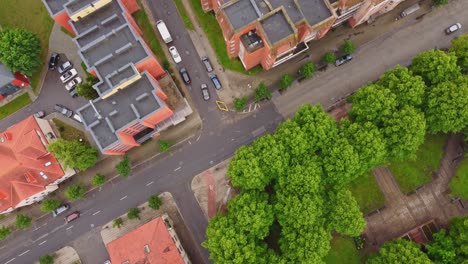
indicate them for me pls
(68, 75)
(73, 83)
(65, 67)
(77, 118)
(453, 28)
(175, 54)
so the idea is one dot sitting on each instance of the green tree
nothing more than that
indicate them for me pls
(307, 70)
(409, 89)
(460, 49)
(23, 221)
(164, 145)
(346, 217)
(302, 179)
(47, 259)
(298, 211)
(117, 223)
(244, 170)
(75, 192)
(272, 159)
(86, 90)
(123, 167)
(4, 232)
(154, 202)
(435, 66)
(373, 103)
(329, 57)
(458, 232)
(340, 163)
(348, 47)
(442, 248)
(74, 153)
(50, 204)
(133, 213)
(240, 103)
(294, 140)
(20, 50)
(286, 81)
(262, 93)
(447, 107)
(439, 2)
(98, 180)
(400, 251)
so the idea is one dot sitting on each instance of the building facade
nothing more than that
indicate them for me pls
(131, 107)
(29, 172)
(11, 83)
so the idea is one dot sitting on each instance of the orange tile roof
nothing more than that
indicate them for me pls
(23, 156)
(131, 246)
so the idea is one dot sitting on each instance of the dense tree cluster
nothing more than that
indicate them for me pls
(20, 50)
(74, 154)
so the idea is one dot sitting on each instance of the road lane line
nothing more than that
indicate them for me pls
(149, 183)
(42, 242)
(23, 253)
(178, 168)
(190, 142)
(10, 260)
(41, 237)
(97, 212)
(198, 137)
(123, 198)
(3, 247)
(68, 228)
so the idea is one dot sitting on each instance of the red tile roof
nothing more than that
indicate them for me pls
(131, 246)
(23, 156)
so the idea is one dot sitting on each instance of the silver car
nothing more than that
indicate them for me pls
(205, 92)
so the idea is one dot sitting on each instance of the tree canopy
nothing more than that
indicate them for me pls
(435, 66)
(373, 103)
(442, 248)
(74, 153)
(460, 49)
(400, 251)
(20, 50)
(346, 218)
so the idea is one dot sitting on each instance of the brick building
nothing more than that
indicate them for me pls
(131, 107)
(28, 171)
(270, 32)
(10, 83)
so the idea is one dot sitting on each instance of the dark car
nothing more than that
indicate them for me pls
(342, 60)
(185, 75)
(215, 80)
(205, 92)
(72, 217)
(207, 64)
(54, 59)
(63, 110)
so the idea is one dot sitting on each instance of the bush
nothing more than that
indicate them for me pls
(123, 168)
(348, 47)
(98, 180)
(439, 2)
(23, 221)
(286, 81)
(154, 202)
(47, 259)
(75, 192)
(240, 103)
(166, 65)
(4, 232)
(307, 70)
(262, 93)
(329, 57)
(133, 213)
(118, 222)
(359, 242)
(164, 145)
(50, 205)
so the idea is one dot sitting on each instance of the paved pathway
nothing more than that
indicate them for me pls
(429, 202)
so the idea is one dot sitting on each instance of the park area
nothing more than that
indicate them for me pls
(367, 193)
(459, 183)
(15, 105)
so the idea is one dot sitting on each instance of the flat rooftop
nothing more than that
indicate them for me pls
(241, 13)
(276, 27)
(76, 5)
(101, 18)
(291, 8)
(55, 6)
(314, 11)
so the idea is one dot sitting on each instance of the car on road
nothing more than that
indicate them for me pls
(68, 75)
(73, 93)
(63, 110)
(73, 83)
(62, 208)
(39, 114)
(453, 28)
(72, 217)
(207, 64)
(215, 80)
(185, 75)
(205, 92)
(175, 54)
(65, 67)
(343, 59)
(77, 118)
(54, 58)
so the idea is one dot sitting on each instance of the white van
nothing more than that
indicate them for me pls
(166, 36)
(410, 10)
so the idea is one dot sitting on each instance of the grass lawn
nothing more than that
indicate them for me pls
(367, 193)
(459, 183)
(183, 14)
(343, 251)
(213, 31)
(68, 132)
(414, 173)
(149, 35)
(15, 105)
(33, 16)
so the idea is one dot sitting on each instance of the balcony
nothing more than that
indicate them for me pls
(252, 41)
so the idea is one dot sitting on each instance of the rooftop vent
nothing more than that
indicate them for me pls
(43, 175)
(47, 164)
(29, 177)
(147, 249)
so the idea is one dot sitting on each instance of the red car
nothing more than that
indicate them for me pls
(73, 216)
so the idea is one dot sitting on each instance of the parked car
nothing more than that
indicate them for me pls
(73, 93)
(342, 60)
(175, 54)
(205, 92)
(62, 208)
(215, 80)
(50, 135)
(39, 114)
(72, 84)
(453, 28)
(68, 75)
(65, 67)
(63, 110)
(207, 64)
(77, 118)
(72, 217)
(54, 58)
(185, 75)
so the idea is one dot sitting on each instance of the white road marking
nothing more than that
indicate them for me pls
(149, 183)
(250, 106)
(97, 212)
(178, 168)
(23, 253)
(190, 142)
(198, 137)
(42, 242)
(68, 228)
(123, 198)
(41, 237)
(10, 260)
(3, 247)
